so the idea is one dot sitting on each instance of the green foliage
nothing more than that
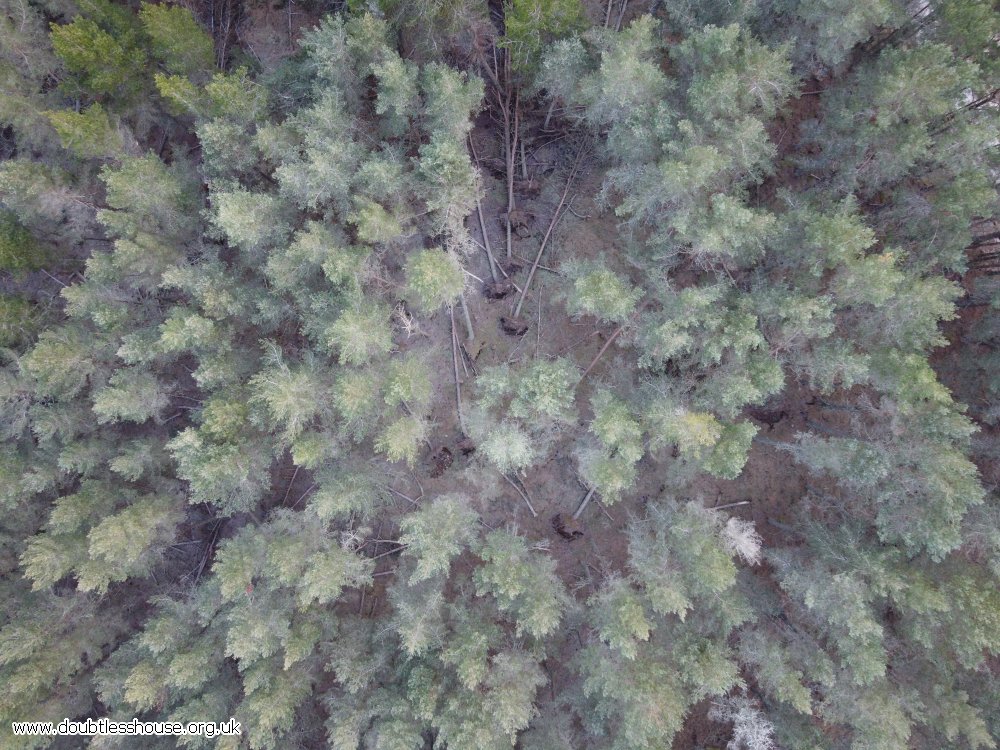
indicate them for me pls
(401, 440)
(641, 700)
(89, 133)
(397, 92)
(611, 468)
(435, 278)
(235, 98)
(343, 495)
(682, 558)
(231, 475)
(59, 363)
(130, 396)
(374, 224)
(778, 673)
(509, 448)
(451, 182)
(293, 396)
(842, 601)
(144, 195)
(102, 52)
(450, 97)
(531, 24)
(205, 424)
(545, 388)
(523, 582)
(18, 320)
(620, 618)
(408, 381)
(825, 32)
(360, 333)
(250, 220)
(600, 292)
(355, 397)
(123, 545)
(694, 433)
(729, 454)
(438, 533)
(177, 39)
(732, 74)
(19, 251)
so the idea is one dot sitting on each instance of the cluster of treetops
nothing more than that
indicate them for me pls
(211, 269)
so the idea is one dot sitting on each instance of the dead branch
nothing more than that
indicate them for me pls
(208, 552)
(521, 493)
(407, 498)
(538, 327)
(454, 361)
(610, 341)
(729, 505)
(541, 266)
(601, 353)
(467, 319)
(583, 504)
(548, 233)
(309, 489)
(621, 15)
(482, 223)
(290, 483)
(379, 556)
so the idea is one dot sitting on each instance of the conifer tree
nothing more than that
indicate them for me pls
(232, 483)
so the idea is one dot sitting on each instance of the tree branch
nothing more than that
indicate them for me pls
(548, 233)
(521, 493)
(583, 504)
(454, 361)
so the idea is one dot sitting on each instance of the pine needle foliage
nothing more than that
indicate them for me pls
(726, 476)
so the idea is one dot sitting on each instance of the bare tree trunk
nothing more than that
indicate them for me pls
(548, 114)
(583, 504)
(470, 334)
(482, 223)
(454, 362)
(548, 233)
(511, 161)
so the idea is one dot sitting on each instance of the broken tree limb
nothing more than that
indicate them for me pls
(621, 15)
(512, 161)
(730, 505)
(467, 319)
(538, 327)
(486, 240)
(548, 233)
(482, 223)
(379, 556)
(610, 340)
(540, 265)
(600, 354)
(407, 498)
(510, 146)
(583, 504)
(208, 552)
(454, 361)
(290, 483)
(604, 510)
(521, 493)
(548, 116)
